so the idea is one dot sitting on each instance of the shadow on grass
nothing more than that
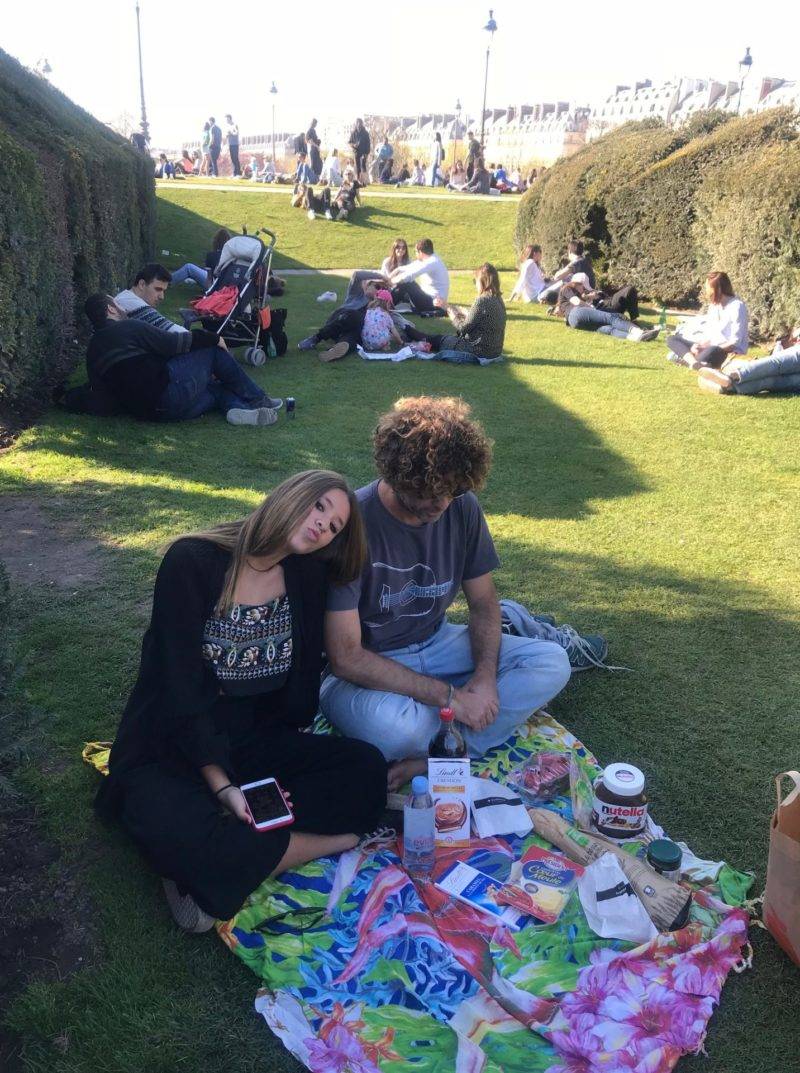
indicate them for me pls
(530, 476)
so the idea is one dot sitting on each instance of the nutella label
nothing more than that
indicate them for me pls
(618, 821)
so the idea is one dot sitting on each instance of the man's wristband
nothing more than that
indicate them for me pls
(451, 692)
(227, 786)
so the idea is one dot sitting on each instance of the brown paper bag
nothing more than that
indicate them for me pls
(782, 895)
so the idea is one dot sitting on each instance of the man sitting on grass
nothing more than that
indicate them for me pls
(157, 375)
(395, 658)
(433, 277)
(139, 301)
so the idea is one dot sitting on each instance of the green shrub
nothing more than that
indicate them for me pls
(569, 201)
(747, 223)
(650, 218)
(77, 213)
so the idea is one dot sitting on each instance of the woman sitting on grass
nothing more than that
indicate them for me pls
(713, 337)
(480, 331)
(229, 674)
(530, 282)
(779, 373)
(396, 258)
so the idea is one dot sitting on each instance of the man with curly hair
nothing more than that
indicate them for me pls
(395, 658)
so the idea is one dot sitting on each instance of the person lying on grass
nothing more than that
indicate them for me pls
(779, 373)
(229, 678)
(157, 375)
(394, 657)
(576, 305)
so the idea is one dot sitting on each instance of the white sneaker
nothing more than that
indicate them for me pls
(263, 415)
(634, 334)
(186, 913)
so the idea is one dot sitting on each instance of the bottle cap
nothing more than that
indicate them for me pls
(446, 714)
(624, 780)
(664, 855)
(419, 784)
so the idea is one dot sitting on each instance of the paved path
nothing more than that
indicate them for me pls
(347, 272)
(247, 187)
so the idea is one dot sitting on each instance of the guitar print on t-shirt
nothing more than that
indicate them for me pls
(409, 592)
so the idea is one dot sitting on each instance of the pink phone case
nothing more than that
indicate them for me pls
(273, 825)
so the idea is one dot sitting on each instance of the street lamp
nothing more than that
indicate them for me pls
(145, 128)
(458, 126)
(490, 26)
(747, 62)
(273, 93)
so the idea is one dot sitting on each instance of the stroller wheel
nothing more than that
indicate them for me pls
(255, 355)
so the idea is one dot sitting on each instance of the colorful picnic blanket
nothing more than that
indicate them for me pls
(362, 970)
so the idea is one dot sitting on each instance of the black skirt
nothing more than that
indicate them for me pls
(338, 786)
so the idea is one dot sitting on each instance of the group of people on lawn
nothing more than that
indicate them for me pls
(328, 600)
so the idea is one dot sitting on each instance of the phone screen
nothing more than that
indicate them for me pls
(266, 803)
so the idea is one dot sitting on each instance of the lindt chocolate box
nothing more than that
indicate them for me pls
(449, 787)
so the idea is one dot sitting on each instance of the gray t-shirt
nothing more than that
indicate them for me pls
(413, 572)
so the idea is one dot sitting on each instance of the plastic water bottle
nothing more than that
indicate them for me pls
(662, 319)
(418, 830)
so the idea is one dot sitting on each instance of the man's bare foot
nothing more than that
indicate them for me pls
(402, 771)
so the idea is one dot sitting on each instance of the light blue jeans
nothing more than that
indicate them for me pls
(781, 373)
(530, 673)
(193, 272)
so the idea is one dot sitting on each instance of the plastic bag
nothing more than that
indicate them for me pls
(542, 777)
(612, 908)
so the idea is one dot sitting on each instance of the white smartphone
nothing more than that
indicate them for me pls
(266, 804)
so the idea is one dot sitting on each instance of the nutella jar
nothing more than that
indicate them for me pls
(619, 809)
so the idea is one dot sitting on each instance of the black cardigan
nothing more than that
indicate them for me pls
(176, 713)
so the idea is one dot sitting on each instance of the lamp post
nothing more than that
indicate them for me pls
(490, 26)
(747, 62)
(145, 127)
(273, 93)
(458, 126)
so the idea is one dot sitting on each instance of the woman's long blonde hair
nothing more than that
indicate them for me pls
(267, 530)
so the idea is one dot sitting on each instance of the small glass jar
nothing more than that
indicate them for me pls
(665, 858)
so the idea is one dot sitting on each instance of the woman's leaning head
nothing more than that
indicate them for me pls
(313, 512)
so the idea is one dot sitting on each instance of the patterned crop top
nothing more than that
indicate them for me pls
(250, 649)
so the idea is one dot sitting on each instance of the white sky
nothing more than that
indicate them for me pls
(205, 57)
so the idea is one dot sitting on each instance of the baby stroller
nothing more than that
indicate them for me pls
(236, 305)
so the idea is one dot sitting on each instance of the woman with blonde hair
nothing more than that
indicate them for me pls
(713, 337)
(229, 677)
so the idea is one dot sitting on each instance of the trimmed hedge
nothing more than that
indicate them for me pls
(722, 195)
(570, 200)
(77, 214)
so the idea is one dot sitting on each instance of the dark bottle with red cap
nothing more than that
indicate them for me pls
(448, 742)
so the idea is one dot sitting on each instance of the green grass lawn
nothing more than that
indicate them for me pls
(465, 233)
(622, 500)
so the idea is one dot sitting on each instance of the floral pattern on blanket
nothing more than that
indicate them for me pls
(363, 970)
